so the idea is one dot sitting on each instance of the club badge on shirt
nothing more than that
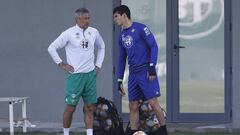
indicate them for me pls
(128, 41)
(77, 35)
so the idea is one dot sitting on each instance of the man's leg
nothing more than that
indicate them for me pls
(134, 116)
(134, 94)
(67, 118)
(74, 87)
(151, 91)
(158, 110)
(89, 98)
(88, 117)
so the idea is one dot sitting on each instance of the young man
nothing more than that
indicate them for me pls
(79, 42)
(137, 43)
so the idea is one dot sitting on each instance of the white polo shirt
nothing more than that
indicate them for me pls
(79, 46)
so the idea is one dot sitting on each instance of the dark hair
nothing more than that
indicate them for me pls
(81, 11)
(121, 10)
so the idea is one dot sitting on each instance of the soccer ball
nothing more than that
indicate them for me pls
(139, 133)
(97, 123)
(102, 118)
(153, 123)
(108, 124)
(101, 110)
(148, 121)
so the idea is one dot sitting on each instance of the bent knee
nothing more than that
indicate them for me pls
(70, 109)
(88, 108)
(133, 106)
(153, 103)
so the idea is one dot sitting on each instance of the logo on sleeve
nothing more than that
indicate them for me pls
(147, 31)
(128, 41)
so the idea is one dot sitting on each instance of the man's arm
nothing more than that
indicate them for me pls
(152, 44)
(101, 51)
(59, 43)
(122, 55)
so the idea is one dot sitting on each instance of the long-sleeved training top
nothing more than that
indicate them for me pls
(79, 46)
(138, 44)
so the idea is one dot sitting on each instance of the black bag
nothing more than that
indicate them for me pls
(106, 119)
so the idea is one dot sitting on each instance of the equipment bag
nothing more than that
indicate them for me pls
(106, 118)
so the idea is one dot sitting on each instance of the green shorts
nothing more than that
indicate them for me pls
(81, 85)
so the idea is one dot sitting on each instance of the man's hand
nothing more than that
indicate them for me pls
(120, 88)
(97, 69)
(152, 72)
(66, 67)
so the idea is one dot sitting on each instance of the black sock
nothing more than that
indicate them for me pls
(163, 126)
(164, 130)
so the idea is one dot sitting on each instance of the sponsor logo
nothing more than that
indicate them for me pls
(85, 44)
(147, 31)
(133, 30)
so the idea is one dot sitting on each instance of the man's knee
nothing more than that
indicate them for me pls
(88, 109)
(153, 103)
(70, 109)
(133, 106)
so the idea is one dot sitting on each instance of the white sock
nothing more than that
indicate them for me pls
(89, 131)
(66, 131)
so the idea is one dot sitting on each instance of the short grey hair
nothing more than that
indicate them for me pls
(80, 11)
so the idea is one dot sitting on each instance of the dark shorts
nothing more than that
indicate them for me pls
(140, 87)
